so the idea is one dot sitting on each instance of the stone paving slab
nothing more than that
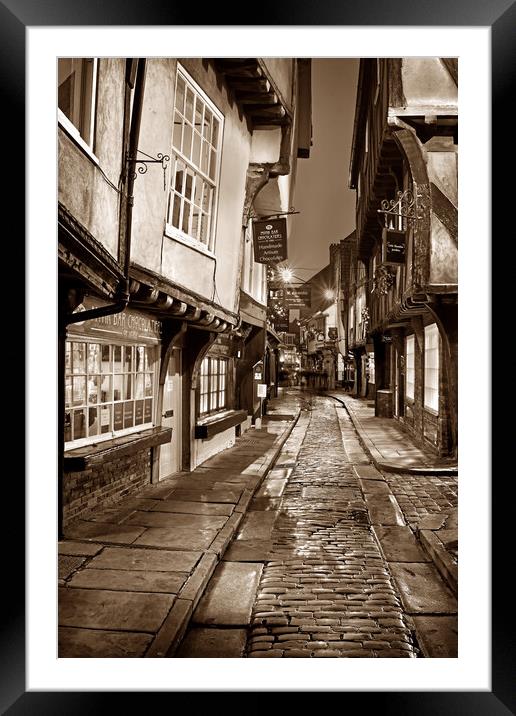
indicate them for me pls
(383, 509)
(176, 537)
(271, 488)
(191, 508)
(68, 564)
(264, 503)
(146, 559)
(399, 544)
(100, 643)
(367, 472)
(374, 486)
(95, 531)
(437, 636)
(87, 549)
(201, 642)
(172, 519)
(189, 495)
(230, 595)
(129, 580)
(257, 525)
(110, 515)
(248, 550)
(422, 589)
(102, 609)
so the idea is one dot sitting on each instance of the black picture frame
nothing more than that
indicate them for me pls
(15, 17)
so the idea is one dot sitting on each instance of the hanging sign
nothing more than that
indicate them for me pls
(281, 325)
(270, 241)
(394, 246)
(298, 297)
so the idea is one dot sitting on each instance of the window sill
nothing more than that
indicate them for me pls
(90, 455)
(172, 233)
(73, 133)
(207, 428)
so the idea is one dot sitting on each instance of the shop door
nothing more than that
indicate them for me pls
(170, 454)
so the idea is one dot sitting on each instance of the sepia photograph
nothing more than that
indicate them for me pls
(258, 346)
(257, 424)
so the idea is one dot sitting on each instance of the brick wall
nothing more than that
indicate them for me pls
(104, 484)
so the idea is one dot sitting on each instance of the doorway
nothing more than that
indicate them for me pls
(170, 453)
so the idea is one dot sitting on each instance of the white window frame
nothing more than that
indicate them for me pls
(431, 369)
(86, 144)
(111, 434)
(177, 156)
(210, 386)
(410, 367)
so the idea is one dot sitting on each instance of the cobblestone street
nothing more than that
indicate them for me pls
(331, 567)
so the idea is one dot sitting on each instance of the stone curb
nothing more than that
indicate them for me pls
(440, 557)
(377, 457)
(172, 631)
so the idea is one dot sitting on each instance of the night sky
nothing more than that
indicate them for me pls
(322, 196)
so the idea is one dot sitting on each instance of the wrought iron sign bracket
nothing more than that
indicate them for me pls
(405, 205)
(264, 217)
(159, 159)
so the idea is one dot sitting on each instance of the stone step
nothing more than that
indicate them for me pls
(229, 597)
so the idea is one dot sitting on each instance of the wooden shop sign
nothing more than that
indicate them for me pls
(270, 241)
(393, 246)
(128, 324)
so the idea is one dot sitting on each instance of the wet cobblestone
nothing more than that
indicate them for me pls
(327, 591)
(423, 495)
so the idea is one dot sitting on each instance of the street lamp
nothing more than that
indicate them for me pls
(286, 274)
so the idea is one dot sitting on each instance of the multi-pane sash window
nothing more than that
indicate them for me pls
(195, 162)
(409, 367)
(76, 94)
(108, 388)
(432, 367)
(213, 385)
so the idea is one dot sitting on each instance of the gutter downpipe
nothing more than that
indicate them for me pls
(138, 83)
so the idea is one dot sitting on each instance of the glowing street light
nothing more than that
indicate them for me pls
(286, 274)
(329, 294)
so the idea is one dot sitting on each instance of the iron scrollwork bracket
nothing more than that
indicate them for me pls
(159, 159)
(405, 205)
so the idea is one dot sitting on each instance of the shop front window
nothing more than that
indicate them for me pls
(213, 385)
(432, 367)
(410, 372)
(108, 388)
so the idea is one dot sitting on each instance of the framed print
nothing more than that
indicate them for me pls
(123, 396)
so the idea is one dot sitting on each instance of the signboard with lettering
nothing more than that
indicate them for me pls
(298, 297)
(270, 241)
(129, 324)
(394, 246)
(262, 390)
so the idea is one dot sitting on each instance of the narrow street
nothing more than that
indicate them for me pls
(324, 564)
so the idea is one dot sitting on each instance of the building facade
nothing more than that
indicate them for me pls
(403, 295)
(162, 165)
